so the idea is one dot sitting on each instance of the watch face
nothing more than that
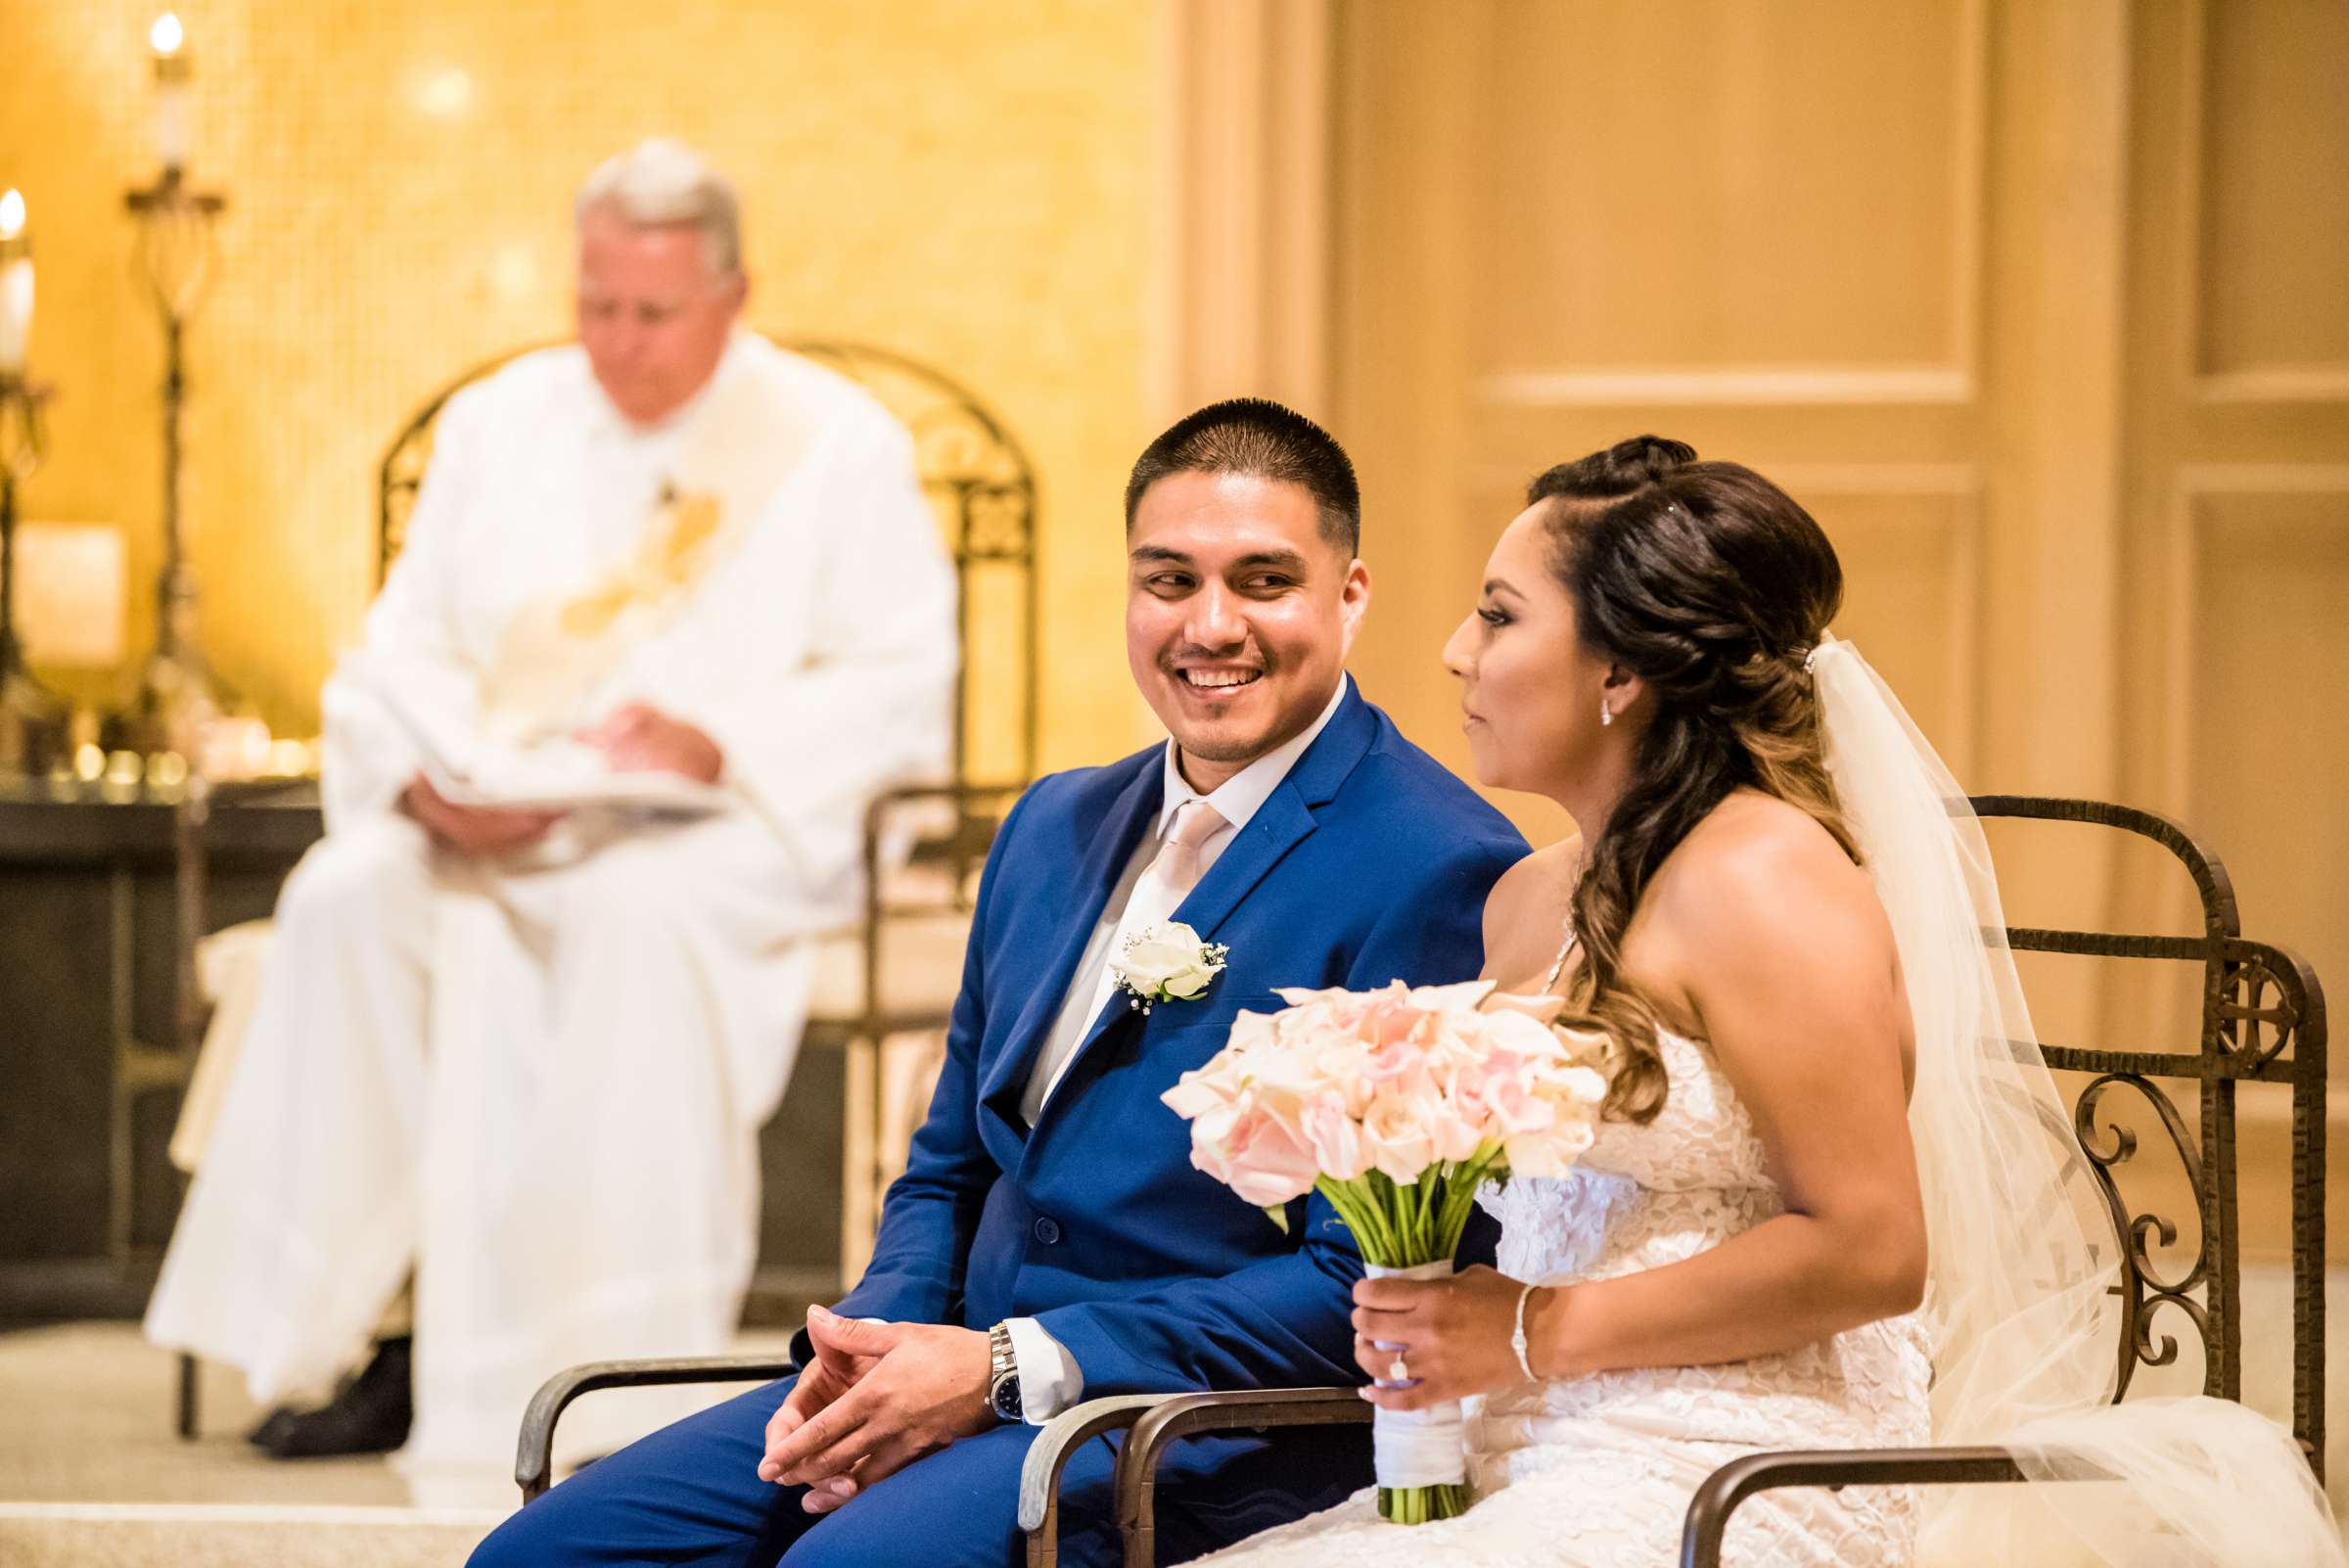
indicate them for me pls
(1005, 1397)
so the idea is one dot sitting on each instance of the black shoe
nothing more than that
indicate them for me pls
(370, 1415)
(272, 1429)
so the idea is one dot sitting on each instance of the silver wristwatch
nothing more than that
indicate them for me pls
(1003, 1374)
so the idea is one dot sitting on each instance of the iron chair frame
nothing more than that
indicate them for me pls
(2262, 1021)
(995, 507)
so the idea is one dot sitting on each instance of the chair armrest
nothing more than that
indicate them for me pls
(533, 1456)
(1180, 1415)
(1725, 1488)
(979, 810)
(1049, 1454)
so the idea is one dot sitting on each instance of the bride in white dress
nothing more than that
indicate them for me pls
(1776, 912)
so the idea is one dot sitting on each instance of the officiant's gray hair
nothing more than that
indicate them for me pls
(663, 181)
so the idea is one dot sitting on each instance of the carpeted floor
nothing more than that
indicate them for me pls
(91, 1474)
(89, 1420)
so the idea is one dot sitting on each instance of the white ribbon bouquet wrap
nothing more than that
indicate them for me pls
(1396, 1105)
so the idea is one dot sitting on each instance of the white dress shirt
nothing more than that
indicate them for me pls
(1051, 1380)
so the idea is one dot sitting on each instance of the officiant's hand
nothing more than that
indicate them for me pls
(922, 1386)
(1452, 1334)
(481, 831)
(638, 738)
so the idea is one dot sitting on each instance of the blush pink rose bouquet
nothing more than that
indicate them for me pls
(1396, 1105)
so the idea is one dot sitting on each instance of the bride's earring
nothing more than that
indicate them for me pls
(1607, 714)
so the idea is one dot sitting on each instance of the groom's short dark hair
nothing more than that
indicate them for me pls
(1263, 440)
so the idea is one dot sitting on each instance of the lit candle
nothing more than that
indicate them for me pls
(172, 69)
(15, 285)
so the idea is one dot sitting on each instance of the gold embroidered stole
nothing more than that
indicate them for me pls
(745, 441)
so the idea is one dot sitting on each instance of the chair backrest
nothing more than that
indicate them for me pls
(2261, 1021)
(980, 482)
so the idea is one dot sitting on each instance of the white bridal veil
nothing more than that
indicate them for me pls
(2022, 1254)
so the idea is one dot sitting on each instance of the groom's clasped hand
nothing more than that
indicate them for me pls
(877, 1397)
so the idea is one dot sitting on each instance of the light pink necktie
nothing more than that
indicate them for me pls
(1177, 867)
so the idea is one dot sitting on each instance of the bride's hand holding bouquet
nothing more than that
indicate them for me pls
(1456, 1333)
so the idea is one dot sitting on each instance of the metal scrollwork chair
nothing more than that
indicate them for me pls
(2261, 1021)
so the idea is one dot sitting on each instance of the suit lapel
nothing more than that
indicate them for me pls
(1089, 890)
(1276, 829)
(1284, 821)
(1286, 817)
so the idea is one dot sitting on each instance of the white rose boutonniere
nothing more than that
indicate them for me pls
(1167, 962)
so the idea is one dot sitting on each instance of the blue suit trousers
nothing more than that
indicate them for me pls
(690, 1495)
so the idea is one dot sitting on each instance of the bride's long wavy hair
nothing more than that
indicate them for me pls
(1711, 584)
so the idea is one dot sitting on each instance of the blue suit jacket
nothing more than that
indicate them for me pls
(1369, 862)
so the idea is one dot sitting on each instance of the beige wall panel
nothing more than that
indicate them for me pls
(1683, 186)
(1399, 658)
(2269, 667)
(2238, 433)
(2274, 177)
(1240, 301)
(1408, 103)
(1910, 597)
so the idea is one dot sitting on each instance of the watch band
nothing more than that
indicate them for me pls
(1003, 1374)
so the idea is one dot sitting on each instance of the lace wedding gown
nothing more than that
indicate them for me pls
(1596, 1472)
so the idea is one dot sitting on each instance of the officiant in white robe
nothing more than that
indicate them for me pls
(523, 1052)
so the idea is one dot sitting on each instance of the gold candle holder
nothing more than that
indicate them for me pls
(32, 717)
(177, 251)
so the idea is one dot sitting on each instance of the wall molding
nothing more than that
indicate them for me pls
(2320, 383)
(1749, 385)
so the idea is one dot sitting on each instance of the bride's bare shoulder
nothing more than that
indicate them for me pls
(1524, 912)
(1763, 867)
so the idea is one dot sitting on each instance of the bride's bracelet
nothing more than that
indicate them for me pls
(1517, 1335)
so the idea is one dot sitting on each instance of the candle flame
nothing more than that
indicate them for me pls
(12, 215)
(166, 36)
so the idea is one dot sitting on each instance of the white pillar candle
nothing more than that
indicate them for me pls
(15, 285)
(172, 69)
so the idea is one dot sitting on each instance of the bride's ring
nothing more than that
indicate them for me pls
(1396, 1372)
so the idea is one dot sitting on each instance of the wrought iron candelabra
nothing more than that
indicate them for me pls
(32, 717)
(177, 252)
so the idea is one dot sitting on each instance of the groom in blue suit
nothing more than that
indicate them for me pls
(1050, 1240)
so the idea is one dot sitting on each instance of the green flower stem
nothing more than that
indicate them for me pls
(1420, 1504)
(1398, 1225)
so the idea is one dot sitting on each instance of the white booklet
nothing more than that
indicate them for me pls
(556, 774)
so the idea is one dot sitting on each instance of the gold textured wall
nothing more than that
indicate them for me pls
(962, 181)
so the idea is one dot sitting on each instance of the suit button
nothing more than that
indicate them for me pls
(1047, 1229)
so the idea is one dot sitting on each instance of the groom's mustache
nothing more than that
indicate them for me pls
(1174, 661)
